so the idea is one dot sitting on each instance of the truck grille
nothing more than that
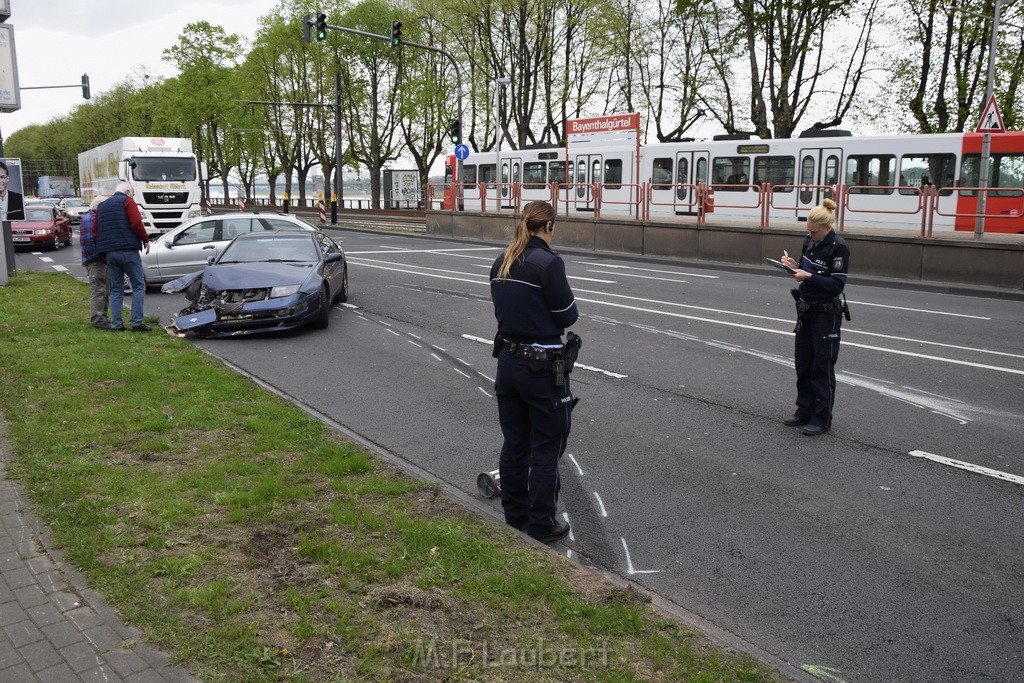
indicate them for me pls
(165, 197)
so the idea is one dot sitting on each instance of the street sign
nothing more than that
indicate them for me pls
(461, 152)
(991, 119)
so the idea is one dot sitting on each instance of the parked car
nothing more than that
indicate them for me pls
(75, 208)
(188, 247)
(266, 281)
(43, 226)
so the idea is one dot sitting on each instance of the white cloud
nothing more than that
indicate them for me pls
(59, 40)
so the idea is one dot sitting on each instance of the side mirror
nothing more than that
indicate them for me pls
(210, 260)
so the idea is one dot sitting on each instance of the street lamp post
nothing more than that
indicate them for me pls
(986, 138)
(499, 84)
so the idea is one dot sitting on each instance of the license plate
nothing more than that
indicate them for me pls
(22, 239)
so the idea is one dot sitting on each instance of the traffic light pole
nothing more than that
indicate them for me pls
(309, 22)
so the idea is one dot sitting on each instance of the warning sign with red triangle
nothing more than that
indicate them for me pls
(991, 119)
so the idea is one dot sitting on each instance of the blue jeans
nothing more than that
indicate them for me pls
(119, 264)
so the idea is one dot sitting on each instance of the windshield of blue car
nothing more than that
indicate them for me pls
(271, 248)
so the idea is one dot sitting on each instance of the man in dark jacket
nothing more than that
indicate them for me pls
(120, 236)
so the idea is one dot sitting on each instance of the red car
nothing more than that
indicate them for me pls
(43, 226)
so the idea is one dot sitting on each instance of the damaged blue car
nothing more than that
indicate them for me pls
(263, 282)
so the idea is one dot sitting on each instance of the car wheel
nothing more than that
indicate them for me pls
(322, 318)
(343, 292)
(56, 243)
(67, 242)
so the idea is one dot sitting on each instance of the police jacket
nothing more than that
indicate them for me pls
(119, 225)
(534, 304)
(828, 261)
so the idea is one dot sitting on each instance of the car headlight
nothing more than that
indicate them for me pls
(283, 290)
(194, 214)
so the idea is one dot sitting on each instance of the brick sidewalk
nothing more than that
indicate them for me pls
(53, 628)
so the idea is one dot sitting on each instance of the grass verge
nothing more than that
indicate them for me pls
(252, 543)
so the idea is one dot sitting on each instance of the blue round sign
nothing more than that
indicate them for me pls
(462, 152)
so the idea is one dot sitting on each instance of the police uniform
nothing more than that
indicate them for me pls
(533, 306)
(819, 318)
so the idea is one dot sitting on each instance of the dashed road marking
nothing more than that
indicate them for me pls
(969, 467)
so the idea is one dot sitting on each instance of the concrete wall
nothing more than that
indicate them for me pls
(994, 261)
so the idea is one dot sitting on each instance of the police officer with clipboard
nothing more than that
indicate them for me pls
(820, 305)
(533, 304)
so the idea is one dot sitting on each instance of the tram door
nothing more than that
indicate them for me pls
(818, 166)
(511, 173)
(691, 170)
(589, 169)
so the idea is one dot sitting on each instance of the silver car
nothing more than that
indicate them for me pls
(75, 208)
(188, 248)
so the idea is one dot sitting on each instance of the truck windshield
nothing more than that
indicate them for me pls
(156, 168)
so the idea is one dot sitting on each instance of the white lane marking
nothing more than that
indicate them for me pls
(767, 318)
(416, 344)
(565, 516)
(414, 336)
(642, 277)
(484, 391)
(921, 310)
(651, 270)
(437, 357)
(461, 373)
(868, 347)
(578, 468)
(347, 305)
(46, 259)
(609, 373)
(591, 279)
(59, 268)
(970, 467)
(394, 333)
(600, 503)
(629, 562)
(763, 329)
(421, 251)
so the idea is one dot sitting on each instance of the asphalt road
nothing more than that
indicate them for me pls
(860, 555)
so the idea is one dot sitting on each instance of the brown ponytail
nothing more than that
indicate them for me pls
(535, 216)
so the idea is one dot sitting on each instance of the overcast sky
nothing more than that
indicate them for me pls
(57, 41)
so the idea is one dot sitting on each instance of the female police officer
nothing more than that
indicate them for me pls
(533, 304)
(822, 270)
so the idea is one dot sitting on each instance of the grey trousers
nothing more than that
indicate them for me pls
(99, 292)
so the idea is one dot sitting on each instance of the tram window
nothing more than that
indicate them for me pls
(488, 174)
(661, 173)
(926, 169)
(681, 179)
(468, 174)
(831, 170)
(556, 172)
(612, 174)
(1007, 171)
(867, 170)
(775, 170)
(702, 171)
(807, 178)
(731, 171)
(534, 174)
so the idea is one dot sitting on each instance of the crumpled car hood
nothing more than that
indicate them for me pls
(244, 276)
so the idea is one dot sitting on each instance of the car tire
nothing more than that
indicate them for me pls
(56, 243)
(67, 242)
(343, 292)
(322, 318)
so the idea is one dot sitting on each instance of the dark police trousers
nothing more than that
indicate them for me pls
(535, 417)
(817, 348)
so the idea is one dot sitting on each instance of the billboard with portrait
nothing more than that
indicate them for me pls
(12, 198)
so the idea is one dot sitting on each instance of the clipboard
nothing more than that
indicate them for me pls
(779, 264)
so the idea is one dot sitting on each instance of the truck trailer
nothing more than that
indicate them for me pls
(163, 172)
(55, 187)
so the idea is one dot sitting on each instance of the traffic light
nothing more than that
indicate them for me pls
(396, 33)
(321, 27)
(307, 28)
(86, 93)
(456, 131)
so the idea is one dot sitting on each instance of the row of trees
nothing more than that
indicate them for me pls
(265, 106)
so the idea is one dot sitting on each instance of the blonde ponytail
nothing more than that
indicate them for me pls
(535, 216)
